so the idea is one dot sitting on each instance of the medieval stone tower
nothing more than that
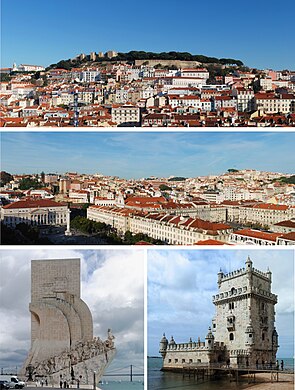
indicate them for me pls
(243, 332)
(245, 316)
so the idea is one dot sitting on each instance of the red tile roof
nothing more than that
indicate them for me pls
(289, 224)
(33, 203)
(289, 236)
(210, 242)
(258, 234)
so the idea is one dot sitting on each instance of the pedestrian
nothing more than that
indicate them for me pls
(46, 382)
(78, 384)
(65, 384)
(42, 382)
(282, 365)
(60, 384)
(277, 365)
(228, 363)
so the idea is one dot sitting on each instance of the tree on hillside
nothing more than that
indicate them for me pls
(28, 182)
(5, 178)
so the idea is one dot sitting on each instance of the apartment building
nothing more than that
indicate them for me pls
(126, 115)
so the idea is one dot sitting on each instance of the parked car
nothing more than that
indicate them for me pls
(4, 385)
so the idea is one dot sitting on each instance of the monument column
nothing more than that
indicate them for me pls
(68, 231)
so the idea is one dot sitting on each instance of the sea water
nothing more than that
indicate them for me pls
(158, 380)
(122, 385)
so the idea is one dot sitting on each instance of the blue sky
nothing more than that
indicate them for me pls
(260, 33)
(181, 284)
(142, 154)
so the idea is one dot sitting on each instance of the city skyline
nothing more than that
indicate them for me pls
(144, 154)
(235, 31)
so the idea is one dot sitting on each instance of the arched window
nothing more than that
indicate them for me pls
(263, 336)
(231, 336)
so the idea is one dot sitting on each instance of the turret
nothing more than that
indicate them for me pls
(220, 276)
(172, 342)
(209, 339)
(249, 264)
(268, 274)
(275, 340)
(163, 346)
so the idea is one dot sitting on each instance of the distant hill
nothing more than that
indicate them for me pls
(133, 55)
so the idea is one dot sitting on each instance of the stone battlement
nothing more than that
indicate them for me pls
(194, 346)
(243, 271)
(241, 291)
(233, 274)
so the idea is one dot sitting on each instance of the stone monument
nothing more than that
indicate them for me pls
(63, 348)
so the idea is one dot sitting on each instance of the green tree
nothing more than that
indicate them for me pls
(163, 187)
(28, 182)
(4, 77)
(5, 178)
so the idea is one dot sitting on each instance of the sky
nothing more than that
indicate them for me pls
(181, 284)
(143, 154)
(259, 33)
(112, 287)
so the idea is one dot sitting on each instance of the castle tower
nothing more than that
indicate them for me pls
(245, 316)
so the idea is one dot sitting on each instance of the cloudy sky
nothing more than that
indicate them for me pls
(181, 284)
(143, 154)
(112, 287)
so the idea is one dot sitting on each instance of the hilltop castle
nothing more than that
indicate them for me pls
(243, 332)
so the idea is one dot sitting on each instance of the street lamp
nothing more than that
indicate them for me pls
(94, 380)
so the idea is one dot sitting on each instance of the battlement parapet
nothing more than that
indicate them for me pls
(195, 347)
(242, 271)
(243, 290)
(233, 274)
(231, 293)
(239, 352)
(261, 273)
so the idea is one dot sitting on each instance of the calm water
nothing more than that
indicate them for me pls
(121, 385)
(158, 380)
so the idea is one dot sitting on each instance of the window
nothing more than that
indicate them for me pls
(231, 336)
